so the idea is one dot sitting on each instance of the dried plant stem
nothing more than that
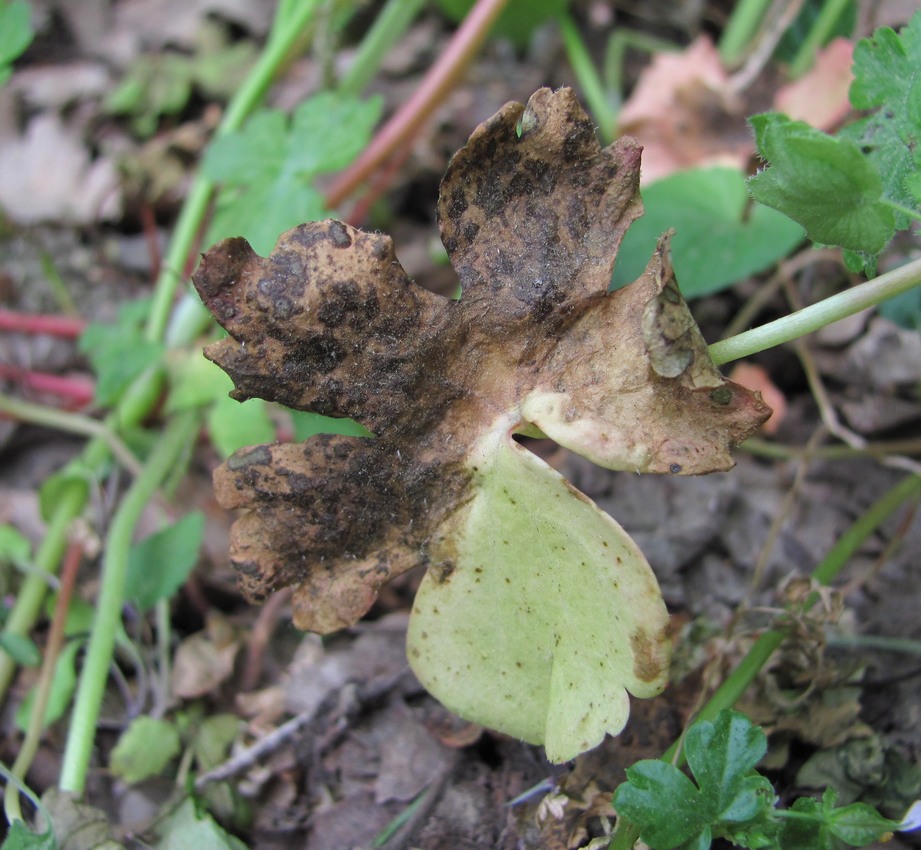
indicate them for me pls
(441, 78)
(30, 743)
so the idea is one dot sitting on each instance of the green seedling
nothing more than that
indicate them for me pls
(162, 84)
(538, 614)
(729, 799)
(266, 169)
(858, 188)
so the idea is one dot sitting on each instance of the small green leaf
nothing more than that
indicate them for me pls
(20, 837)
(15, 31)
(71, 484)
(887, 79)
(118, 352)
(665, 804)
(195, 381)
(859, 824)
(144, 749)
(21, 649)
(159, 565)
(720, 236)
(233, 424)
(308, 425)
(722, 755)
(824, 183)
(267, 167)
(186, 828)
(212, 739)
(62, 689)
(15, 547)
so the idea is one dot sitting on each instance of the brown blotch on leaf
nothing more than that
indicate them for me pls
(330, 323)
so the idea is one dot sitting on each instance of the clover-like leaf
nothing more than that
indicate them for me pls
(531, 212)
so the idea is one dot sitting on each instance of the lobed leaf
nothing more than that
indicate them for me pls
(532, 212)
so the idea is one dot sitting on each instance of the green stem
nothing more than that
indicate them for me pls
(290, 21)
(731, 690)
(818, 315)
(176, 435)
(818, 35)
(906, 211)
(73, 423)
(743, 24)
(587, 75)
(389, 25)
(31, 594)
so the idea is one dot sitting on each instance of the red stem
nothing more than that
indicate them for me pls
(406, 122)
(65, 327)
(77, 392)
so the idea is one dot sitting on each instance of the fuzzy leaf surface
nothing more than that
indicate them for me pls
(531, 212)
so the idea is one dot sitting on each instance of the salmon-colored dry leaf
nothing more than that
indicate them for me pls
(526, 576)
(684, 113)
(820, 97)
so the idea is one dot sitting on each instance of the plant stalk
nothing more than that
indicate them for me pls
(440, 79)
(178, 432)
(817, 316)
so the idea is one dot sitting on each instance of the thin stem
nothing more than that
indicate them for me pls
(587, 74)
(32, 592)
(389, 25)
(820, 32)
(176, 435)
(290, 20)
(818, 315)
(440, 79)
(43, 686)
(740, 30)
(906, 211)
(72, 423)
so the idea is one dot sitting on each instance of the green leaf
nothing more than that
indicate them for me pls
(73, 481)
(549, 616)
(21, 649)
(665, 804)
(730, 799)
(62, 689)
(308, 425)
(144, 749)
(195, 381)
(859, 824)
(267, 167)
(720, 237)
(887, 78)
(15, 547)
(213, 738)
(118, 352)
(233, 424)
(20, 837)
(722, 756)
(159, 565)
(15, 32)
(186, 828)
(825, 184)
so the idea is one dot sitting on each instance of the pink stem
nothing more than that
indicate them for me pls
(406, 122)
(77, 392)
(32, 323)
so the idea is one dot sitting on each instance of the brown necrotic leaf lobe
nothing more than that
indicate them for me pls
(532, 212)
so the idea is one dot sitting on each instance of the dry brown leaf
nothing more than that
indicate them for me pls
(330, 323)
(820, 97)
(684, 113)
(531, 212)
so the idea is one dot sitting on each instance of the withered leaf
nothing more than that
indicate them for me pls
(531, 211)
